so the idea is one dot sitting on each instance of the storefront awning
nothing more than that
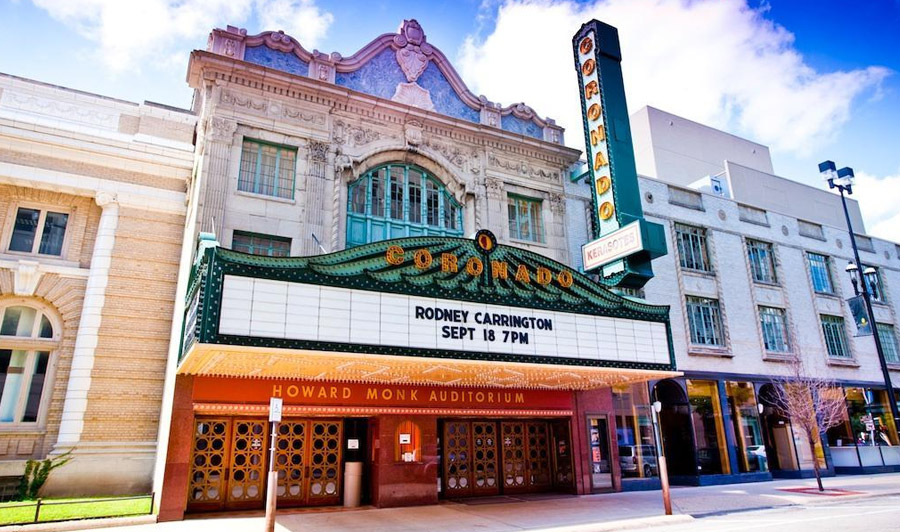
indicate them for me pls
(268, 363)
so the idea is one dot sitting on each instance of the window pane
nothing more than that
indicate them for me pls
(54, 231)
(13, 368)
(24, 230)
(709, 432)
(18, 321)
(762, 263)
(33, 403)
(525, 222)
(705, 321)
(888, 342)
(378, 193)
(433, 205)
(634, 431)
(46, 328)
(267, 169)
(751, 448)
(835, 341)
(358, 196)
(692, 247)
(415, 197)
(397, 185)
(513, 220)
(265, 245)
(820, 273)
(774, 327)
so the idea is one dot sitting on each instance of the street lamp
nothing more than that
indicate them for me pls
(662, 468)
(843, 181)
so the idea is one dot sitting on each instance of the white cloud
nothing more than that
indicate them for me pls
(717, 62)
(131, 33)
(878, 201)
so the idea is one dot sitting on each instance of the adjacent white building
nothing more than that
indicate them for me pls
(755, 277)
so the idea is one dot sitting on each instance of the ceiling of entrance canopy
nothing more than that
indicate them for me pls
(267, 363)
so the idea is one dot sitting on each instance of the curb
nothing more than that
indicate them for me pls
(83, 524)
(622, 524)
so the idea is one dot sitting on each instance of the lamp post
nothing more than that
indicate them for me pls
(843, 181)
(662, 468)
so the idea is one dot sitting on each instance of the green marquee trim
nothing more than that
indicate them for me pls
(366, 268)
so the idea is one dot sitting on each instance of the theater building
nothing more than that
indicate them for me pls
(337, 269)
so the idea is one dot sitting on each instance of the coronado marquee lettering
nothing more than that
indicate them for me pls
(474, 266)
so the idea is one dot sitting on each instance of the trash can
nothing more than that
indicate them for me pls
(352, 484)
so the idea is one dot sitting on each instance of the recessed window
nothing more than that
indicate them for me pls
(525, 219)
(693, 253)
(835, 338)
(705, 321)
(888, 343)
(774, 328)
(820, 273)
(257, 244)
(399, 200)
(409, 442)
(762, 261)
(267, 169)
(26, 342)
(39, 231)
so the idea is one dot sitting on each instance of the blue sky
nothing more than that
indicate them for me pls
(813, 80)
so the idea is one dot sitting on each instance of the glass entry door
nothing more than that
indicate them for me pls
(598, 440)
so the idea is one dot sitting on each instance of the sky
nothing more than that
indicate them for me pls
(811, 79)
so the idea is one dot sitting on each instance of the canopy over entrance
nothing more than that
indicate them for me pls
(426, 310)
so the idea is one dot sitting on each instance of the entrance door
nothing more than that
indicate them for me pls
(526, 455)
(229, 463)
(470, 458)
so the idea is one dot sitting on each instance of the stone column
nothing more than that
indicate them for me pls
(220, 138)
(72, 422)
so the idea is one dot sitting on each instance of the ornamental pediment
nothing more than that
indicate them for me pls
(402, 67)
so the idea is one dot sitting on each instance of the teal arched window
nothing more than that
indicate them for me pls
(398, 200)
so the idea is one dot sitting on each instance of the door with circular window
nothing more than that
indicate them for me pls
(229, 461)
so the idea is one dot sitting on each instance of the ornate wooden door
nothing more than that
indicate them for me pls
(209, 466)
(291, 463)
(457, 459)
(485, 466)
(324, 462)
(515, 474)
(229, 463)
(538, 454)
(247, 479)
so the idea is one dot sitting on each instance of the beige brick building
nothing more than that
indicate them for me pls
(92, 213)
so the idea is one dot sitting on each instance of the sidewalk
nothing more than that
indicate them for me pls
(560, 513)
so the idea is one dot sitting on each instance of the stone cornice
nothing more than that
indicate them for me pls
(206, 67)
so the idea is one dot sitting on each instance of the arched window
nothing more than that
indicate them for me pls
(398, 200)
(27, 338)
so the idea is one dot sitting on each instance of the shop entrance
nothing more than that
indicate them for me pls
(229, 461)
(675, 426)
(489, 457)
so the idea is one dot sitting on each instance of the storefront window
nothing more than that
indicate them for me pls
(706, 411)
(751, 448)
(601, 471)
(634, 431)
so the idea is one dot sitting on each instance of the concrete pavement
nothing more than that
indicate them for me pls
(559, 513)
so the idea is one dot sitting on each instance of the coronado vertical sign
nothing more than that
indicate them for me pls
(624, 242)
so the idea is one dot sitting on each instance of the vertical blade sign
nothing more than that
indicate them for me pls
(621, 233)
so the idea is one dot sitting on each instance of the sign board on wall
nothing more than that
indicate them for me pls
(298, 311)
(611, 167)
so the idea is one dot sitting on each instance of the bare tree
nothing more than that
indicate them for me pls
(813, 404)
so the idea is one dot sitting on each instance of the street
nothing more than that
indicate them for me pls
(877, 514)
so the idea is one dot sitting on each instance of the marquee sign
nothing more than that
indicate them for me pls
(611, 169)
(424, 296)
